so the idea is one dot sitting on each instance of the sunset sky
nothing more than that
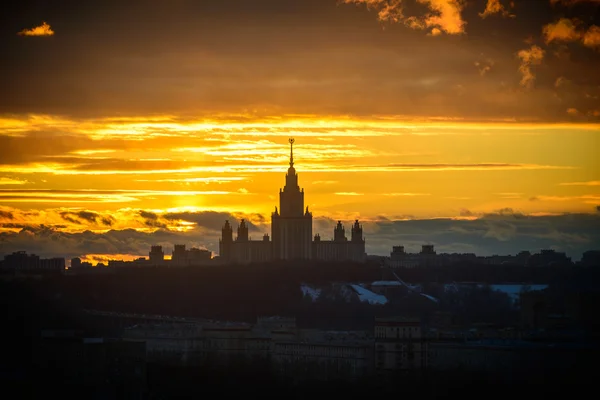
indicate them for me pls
(473, 125)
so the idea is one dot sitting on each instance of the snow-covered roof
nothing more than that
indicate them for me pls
(367, 295)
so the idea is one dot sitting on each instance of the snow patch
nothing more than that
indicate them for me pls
(368, 296)
(312, 292)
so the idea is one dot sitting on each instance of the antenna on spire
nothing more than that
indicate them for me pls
(292, 141)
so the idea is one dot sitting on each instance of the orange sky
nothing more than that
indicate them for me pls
(414, 110)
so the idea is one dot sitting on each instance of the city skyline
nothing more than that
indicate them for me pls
(473, 126)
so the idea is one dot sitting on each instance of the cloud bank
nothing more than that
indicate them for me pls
(503, 232)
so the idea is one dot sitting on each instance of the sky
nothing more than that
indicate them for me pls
(471, 125)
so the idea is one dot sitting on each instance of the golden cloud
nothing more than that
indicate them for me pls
(444, 16)
(42, 30)
(10, 181)
(348, 194)
(529, 57)
(564, 30)
(568, 30)
(495, 7)
(591, 38)
(588, 183)
(387, 10)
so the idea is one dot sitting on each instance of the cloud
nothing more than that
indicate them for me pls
(93, 195)
(561, 81)
(10, 181)
(495, 7)
(562, 30)
(324, 182)
(443, 16)
(588, 183)
(348, 194)
(206, 180)
(406, 194)
(446, 15)
(484, 66)
(570, 30)
(470, 167)
(529, 57)
(42, 30)
(591, 38)
(87, 217)
(573, 112)
(6, 215)
(387, 10)
(590, 197)
(504, 231)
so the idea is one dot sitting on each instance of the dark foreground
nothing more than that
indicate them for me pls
(192, 383)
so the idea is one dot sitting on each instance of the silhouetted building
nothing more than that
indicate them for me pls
(182, 257)
(243, 249)
(156, 255)
(548, 258)
(20, 261)
(591, 258)
(291, 227)
(291, 233)
(75, 262)
(178, 257)
(340, 249)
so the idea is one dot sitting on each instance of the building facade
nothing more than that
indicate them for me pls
(399, 345)
(291, 233)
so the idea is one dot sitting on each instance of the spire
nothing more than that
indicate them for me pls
(292, 140)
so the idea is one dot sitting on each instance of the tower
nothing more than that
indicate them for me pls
(291, 227)
(357, 232)
(179, 256)
(357, 240)
(226, 241)
(156, 255)
(242, 232)
(339, 233)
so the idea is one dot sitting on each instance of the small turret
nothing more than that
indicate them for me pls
(357, 232)
(242, 232)
(227, 232)
(339, 233)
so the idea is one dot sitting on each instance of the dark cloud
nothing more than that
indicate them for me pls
(108, 221)
(241, 55)
(6, 214)
(214, 221)
(466, 213)
(498, 233)
(86, 217)
(503, 232)
(148, 215)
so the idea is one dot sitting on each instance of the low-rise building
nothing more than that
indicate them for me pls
(399, 344)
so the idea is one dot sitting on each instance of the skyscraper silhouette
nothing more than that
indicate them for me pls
(291, 233)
